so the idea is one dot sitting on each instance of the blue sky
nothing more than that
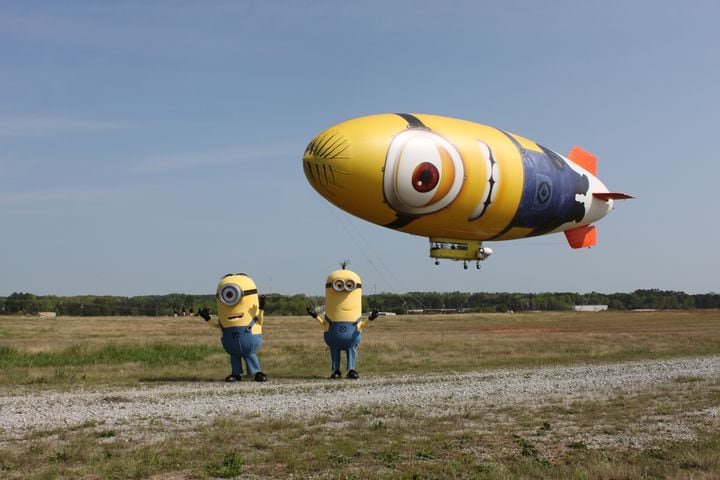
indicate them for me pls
(151, 147)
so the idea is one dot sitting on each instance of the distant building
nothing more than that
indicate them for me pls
(590, 308)
(47, 314)
(435, 310)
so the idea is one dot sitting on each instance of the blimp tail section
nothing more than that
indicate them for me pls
(586, 236)
(612, 196)
(585, 159)
(582, 237)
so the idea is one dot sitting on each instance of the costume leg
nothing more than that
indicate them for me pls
(252, 363)
(351, 357)
(335, 357)
(236, 364)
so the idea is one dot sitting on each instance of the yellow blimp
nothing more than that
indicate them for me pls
(456, 182)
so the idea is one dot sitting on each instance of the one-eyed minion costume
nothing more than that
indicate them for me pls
(240, 317)
(343, 320)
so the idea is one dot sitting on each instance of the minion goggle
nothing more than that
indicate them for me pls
(340, 285)
(230, 294)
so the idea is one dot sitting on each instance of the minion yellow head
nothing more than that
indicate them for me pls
(343, 296)
(237, 299)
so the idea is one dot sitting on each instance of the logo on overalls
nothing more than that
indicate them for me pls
(342, 329)
(235, 334)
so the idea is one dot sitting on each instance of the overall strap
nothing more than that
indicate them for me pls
(327, 319)
(251, 324)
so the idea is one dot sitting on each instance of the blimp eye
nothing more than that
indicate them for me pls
(230, 294)
(339, 285)
(423, 172)
(349, 285)
(425, 177)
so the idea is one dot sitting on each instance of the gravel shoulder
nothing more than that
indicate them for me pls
(188, 403)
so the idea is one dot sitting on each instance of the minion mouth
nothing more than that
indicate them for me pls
(233, 317)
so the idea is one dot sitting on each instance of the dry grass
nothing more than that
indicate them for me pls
(294, 349)
(663, 433)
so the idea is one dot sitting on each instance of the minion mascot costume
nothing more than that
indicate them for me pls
(343, 320)
(240, 317)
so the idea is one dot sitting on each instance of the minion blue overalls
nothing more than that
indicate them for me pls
(343, 336)
(240, 343)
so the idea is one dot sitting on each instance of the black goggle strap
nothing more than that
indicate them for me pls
(243, 293)
(357, 285)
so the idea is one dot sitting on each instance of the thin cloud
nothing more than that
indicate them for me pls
(158, 29)
(36, 126)
(191, 160)
(32, 197)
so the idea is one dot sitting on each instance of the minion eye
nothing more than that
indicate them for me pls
(230, 294)
(425, 177)
(423, 172)
(349, 285)
(339, 285)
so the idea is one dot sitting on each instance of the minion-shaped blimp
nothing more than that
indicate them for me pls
(343, 320)
(456, 182)
(240, 317)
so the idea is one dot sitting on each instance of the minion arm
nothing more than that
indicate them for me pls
(373, 315)
(313, 313)
(204, 313)
(261, 310)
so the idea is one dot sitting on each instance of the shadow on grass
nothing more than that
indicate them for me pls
(181, 379)
(246, 378)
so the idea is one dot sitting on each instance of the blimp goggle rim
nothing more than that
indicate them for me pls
(392, 160)
(237, 294)
(341, 284)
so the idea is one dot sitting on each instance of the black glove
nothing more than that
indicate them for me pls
(262, 302)
(374, 314)
(204, 312)
(311, 311)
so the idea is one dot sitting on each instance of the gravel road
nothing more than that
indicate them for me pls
(187, 403)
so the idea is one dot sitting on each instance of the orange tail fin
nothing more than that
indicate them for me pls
(586, 160)
(582, 237)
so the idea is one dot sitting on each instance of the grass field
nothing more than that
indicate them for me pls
(587, 439)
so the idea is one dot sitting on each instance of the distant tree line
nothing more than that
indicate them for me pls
(503, 302)
(146, 305)
(184, 304)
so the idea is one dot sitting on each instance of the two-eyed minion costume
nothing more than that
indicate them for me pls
(240, 317)
(342, 321)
